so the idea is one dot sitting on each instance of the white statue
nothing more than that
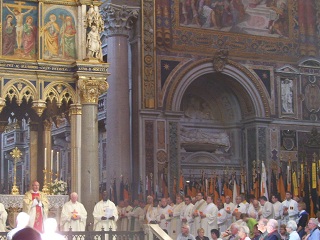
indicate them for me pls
(94, 43)
(95, 25)
(287, 95)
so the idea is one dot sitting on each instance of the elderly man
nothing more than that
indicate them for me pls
(73, 214)
(292, 230)
(272, 228)
(262, 227)
(105, 214)
(3, 218)
(185, 233)
(314, 231)
(22, 221)
(232, 233)
(35, 203)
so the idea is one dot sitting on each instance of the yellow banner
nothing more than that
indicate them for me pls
(314, 175)
(295, 184)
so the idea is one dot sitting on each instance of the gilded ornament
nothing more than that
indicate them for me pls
(2, 103)
(39, 106)
(90, 90)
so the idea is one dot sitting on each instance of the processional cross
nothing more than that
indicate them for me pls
(16, 154)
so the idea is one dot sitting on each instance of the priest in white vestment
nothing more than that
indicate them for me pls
(163, 215)
(3, 218)
(266, 208)
(105, 214)
(222, 218)
(289, 209)
(229, 207)
(124, 217)
(73, 215)
(175, 217)
(186, 213)
(209, 216)
(152, 212)
(199, 206)
(136, 217)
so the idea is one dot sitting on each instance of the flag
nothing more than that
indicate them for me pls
(314, 193)
(121, 188)
(193, 188)
(174, 189)
(147, 185)
(235, 191)
(126, 190)
(164, 186)
(202, 188)
(281, 189)
(263, 184)
(181, 182)
(295, 184)
(306, 197)
(206, 187)
(289, 180)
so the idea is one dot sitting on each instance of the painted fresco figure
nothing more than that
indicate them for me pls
(51, 36)
(8, 36)
(19, 24)
(29, 38)
(68, 35)
(279, 24)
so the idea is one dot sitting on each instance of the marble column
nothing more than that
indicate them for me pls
(75, 119)
(91, 85)
(118, 22)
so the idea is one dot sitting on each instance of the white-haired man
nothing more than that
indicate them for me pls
(22, 221)
(272, 228)
(73, 214)
(185, 233)
(314, 230)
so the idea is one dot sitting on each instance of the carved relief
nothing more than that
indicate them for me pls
(312, 97)
(197, 108)
(213, 139)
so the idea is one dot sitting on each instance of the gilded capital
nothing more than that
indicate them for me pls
(91, 88)
(118, 20)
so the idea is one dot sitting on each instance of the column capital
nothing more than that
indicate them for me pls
(47, 125)
(75, 109)
(118, 20)
(91, 88)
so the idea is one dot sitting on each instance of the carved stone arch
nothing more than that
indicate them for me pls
(257, 102)
(20, 89)
(309, 62)
(59, 91)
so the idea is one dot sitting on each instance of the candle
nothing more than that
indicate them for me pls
(57, 162)
(45, 158)
(51, 160)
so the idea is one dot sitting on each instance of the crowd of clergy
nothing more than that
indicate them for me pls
(182, 218)
(186, 218)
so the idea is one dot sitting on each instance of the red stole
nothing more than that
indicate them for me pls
(39, 217)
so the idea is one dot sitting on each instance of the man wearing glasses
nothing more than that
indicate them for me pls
(314, 231)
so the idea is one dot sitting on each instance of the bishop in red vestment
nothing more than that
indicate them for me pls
(35, 203)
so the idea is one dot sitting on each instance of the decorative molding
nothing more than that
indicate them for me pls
(75, 109)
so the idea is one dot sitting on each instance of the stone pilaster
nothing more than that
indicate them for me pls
(75, 118)
(91, 84)
(118, 23)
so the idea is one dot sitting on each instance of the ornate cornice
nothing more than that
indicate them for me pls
(91, 88)
(118, 20)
